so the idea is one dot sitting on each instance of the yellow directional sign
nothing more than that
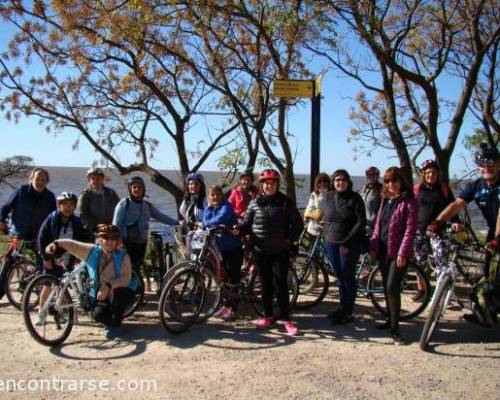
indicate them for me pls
(292, 88)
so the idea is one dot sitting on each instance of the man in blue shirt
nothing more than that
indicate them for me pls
(28, 206)
(485, 191)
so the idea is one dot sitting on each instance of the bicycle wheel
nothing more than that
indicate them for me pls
(255, 291)
(51, 323)
(138, 295)
(181, 301)
(213, 291)
(313, 281)
(409, 287)
(437, 307)
(17, 277)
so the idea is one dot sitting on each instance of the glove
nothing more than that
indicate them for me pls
(493, 245)
(434, 228)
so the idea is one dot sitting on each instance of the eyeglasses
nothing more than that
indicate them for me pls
(340, 180)
(387, 181)
(486, 165)
(323, 183)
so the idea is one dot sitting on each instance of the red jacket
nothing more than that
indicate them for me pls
(237, 199)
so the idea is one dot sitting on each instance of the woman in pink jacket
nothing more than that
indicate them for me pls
(392, 242)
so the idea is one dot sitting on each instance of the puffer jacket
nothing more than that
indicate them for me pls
(402, 228)
(273, 223)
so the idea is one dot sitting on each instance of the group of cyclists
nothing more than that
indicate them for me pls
(390, 219)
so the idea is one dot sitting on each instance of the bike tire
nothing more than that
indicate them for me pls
(213, 290)
(181, 301)
(255, 293)
(435, 312)
(17, 277)
(313, 281)
(138, 296)
(31, 296)
(409, 308)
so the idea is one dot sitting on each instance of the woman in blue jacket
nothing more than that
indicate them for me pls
(132, 216)
(221, 212)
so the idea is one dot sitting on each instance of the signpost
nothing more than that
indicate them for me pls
(289, 88)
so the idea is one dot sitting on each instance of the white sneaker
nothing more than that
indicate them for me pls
(40, 319)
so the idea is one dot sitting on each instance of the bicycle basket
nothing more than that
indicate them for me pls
(306, 240)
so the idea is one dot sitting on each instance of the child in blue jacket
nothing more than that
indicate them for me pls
(221, 212)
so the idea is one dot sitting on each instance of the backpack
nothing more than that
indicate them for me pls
(444, 190)
(485, 296)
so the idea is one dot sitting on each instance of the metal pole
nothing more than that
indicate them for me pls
(315, 131)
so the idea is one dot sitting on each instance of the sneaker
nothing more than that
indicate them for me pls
(111, 333)
(229, 316)
(419, 296)
(384, 326)
(265, 323)
(221, 312)
(342, 319)
(40, 321)
(291, 328)
(336, 314)
(397, 338)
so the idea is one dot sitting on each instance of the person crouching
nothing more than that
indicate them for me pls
(110, 274)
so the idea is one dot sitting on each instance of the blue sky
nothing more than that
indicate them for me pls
(29, 138)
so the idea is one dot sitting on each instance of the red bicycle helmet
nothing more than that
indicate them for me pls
(271, 174)
(429, 164)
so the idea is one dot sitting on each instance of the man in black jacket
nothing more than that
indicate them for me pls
(274, 223)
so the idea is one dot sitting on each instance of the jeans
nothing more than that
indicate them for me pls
(344, 267)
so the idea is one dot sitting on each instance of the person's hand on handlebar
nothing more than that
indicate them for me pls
(457, 227)
(434, 228)
(51, 249)
(493, 245)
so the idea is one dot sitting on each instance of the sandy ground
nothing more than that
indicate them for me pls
(219, 360)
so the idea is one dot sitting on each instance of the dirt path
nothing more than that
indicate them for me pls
(218, 361)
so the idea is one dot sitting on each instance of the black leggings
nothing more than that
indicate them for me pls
(232, 262)
(111, 313)
(392, 277)
(136, 251)
(273, 272)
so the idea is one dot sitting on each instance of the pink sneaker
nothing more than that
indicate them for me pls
(291, 328)
(229, 316)
(265, 323)
(221, 312)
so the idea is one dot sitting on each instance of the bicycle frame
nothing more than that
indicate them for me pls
(71, 280)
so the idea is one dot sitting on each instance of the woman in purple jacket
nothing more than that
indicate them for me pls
(392, 242)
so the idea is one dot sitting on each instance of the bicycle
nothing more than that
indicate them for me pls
(461, 258)
(313, 270)
(195, 288)
(20, 264)
(66, 296)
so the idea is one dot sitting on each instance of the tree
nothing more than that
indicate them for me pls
(103, 69)
(416, 45)
(14, 167)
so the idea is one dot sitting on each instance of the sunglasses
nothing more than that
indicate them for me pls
(387, 181)
(340, 180)
(323, 183)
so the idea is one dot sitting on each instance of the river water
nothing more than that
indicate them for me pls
(73, 179)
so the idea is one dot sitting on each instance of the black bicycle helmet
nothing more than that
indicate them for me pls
(486, 155)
